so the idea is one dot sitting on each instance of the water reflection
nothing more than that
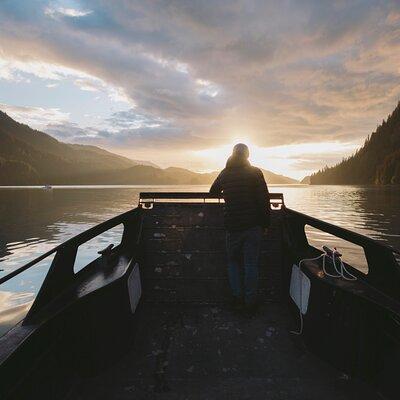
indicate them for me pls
(34, 221)
(13, 307)
(369, 210)
(18, 293)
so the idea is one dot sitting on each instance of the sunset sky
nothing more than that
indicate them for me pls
(178, 82)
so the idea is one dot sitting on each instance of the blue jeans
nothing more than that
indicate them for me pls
(243, 248)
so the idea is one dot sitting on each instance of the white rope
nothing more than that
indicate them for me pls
(342, 272)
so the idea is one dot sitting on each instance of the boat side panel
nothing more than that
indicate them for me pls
(90, 326)
(352, 324)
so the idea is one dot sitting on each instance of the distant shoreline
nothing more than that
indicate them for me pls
(128, 186)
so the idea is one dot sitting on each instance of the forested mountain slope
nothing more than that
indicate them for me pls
(45, 159)
(377, 161)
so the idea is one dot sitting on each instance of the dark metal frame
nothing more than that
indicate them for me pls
(383, 268)
(148, 198)
(61, 273)
(191, 195)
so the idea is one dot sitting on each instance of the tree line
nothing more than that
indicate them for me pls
(376, 162)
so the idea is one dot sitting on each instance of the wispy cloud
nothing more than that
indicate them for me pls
(88, 85)
(55, 11)
(37, 117)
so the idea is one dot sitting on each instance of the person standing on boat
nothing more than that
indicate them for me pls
(246, 216)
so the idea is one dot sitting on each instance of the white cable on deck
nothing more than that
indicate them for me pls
(340, 273)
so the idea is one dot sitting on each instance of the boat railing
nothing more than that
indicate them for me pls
(383, 267)
(381, 258)
(147, 199)
(61, 272)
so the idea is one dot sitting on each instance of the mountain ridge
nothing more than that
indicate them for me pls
(32, 157)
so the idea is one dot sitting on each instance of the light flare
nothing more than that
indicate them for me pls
(278, 159)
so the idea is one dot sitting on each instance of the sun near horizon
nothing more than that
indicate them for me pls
(279, 159)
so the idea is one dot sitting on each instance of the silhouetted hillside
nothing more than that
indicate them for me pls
(31, 157)
(273, 178)
(377, 161)
(49, 160)
(145, 175)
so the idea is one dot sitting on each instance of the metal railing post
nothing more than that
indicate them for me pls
(58, 278)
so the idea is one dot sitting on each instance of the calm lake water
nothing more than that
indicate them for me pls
(33, 220)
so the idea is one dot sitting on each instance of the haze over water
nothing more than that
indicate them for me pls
(34, 221)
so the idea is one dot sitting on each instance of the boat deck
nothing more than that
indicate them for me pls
(82, 341)
(208, 352)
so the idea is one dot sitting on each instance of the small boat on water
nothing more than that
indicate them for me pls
(148, 318)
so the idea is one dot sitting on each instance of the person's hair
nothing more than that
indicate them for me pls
(241, 150)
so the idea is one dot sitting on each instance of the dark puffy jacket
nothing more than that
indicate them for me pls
(245, 193)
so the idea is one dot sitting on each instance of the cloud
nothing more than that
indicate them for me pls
(129, 130)
(88, 85)
(54, 11)
(15, 69)
(70, 132)
(197, 75)
(36, 117)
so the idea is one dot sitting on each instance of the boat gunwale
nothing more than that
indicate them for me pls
(299, 219)
(340, 232)
(76, 240)
(83, 237)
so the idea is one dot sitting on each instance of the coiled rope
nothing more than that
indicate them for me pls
(340, 272)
